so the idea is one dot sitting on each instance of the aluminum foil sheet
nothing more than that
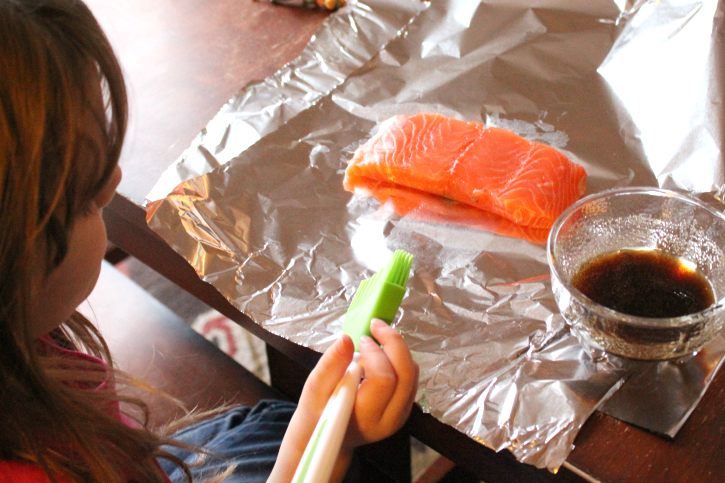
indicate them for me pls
(629, 90)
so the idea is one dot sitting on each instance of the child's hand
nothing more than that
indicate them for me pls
(387, 393)
(382, 405)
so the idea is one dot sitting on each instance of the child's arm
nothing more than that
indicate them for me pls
(382, 405)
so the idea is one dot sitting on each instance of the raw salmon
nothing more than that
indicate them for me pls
(490, 169)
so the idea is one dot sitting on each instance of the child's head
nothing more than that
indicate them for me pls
(62, 122)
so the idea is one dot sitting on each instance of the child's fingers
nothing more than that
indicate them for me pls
(380, 380)
(416, 378)
(406, 371)
(386, 395)
(327, 373)
(317, 391)
(412, 392)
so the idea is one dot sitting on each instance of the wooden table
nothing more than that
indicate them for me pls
(183, 60)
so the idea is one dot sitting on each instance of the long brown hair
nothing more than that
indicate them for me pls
(54, 58)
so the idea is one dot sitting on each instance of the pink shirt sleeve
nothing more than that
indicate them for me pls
(20, 472)
(17, 472)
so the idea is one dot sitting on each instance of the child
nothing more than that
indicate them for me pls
(62, 122)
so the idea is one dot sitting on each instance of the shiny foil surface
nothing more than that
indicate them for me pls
(629, 90)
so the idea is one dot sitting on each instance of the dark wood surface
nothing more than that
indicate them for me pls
(149, 341)
(183, 60)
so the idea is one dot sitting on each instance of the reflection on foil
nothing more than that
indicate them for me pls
(273, 230)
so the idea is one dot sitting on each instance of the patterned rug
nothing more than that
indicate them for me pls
(232, 339)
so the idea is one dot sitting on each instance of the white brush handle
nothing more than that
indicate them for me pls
(323, 448)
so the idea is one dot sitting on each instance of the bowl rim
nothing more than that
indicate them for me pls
(653, 322)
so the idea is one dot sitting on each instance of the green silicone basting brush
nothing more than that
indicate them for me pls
(378, 297)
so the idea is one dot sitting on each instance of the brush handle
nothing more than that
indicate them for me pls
(323, 448)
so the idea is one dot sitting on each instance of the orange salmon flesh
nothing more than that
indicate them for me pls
(428, 164)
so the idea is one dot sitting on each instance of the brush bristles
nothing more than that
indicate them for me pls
(399, 268)
(361, 291)
(396, 272)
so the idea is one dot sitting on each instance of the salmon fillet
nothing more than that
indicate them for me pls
(490, 169)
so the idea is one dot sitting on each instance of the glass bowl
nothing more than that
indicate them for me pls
(638, 218)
